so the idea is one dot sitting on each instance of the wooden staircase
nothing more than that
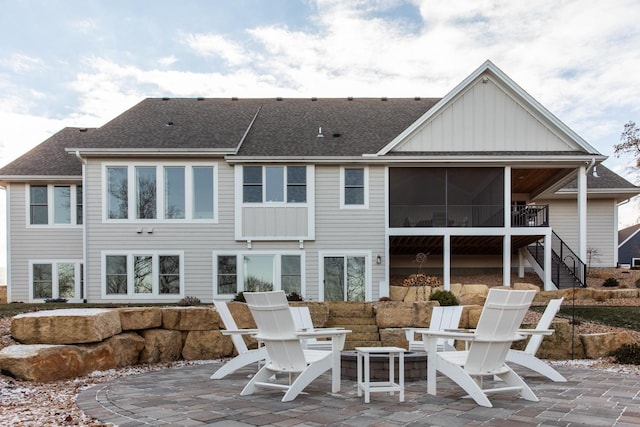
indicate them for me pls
(360, 318)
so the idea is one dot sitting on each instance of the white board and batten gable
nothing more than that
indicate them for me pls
(488, 112)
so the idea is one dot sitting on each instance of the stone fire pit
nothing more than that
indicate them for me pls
(415, 366)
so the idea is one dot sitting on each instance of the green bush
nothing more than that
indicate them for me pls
(611, 283)
(444, 298)
(239, 297)
(627, 354)
(293, 296)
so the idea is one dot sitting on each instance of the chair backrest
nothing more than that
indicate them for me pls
(497, 328)
(447, 317)
(230, 325)
(277, 330)
(545, 321)
(302, 318)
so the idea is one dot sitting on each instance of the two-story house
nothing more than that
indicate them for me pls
(328, 198)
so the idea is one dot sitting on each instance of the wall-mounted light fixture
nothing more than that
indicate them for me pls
(378, 259)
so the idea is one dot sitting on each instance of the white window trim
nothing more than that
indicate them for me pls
(368, 287)
(73, 206)
(54, 277)
(365, 205)
(635, 262)
(160, 202)
(154, 273)
(277, 269)
(284, 203)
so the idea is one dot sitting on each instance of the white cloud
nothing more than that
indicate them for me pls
(168, 61)
(84, 26)
(21, 63)
(214, 45)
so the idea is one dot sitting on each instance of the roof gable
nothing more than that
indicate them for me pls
(488, 112)
(626, 234)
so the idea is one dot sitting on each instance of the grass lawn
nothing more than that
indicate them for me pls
(622, 317)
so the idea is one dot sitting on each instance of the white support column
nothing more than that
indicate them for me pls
(582, 213)
(506, 246)
(548, 284)
(446, 264)
(506, 260)
(520, 264)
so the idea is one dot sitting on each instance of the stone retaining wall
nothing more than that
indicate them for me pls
(61, 344)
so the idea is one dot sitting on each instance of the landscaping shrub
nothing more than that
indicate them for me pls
(444, 298)
(55, 300)
(189, 301)
(239, 297)
(627, 354)
(293, 296)
(611, 283)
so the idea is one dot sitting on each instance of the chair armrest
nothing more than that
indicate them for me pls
(427, 334)
(409, 334)
(323, 333)
(536, 331)
(239, 331)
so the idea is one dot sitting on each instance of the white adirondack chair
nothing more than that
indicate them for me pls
(442, 318)
(286, 350)
(245, 355)
(489, 344)
(303, 322)
(527, 357)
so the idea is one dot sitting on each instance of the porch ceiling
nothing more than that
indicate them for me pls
(534, 181)
(460, 245)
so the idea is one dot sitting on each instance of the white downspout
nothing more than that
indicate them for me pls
(84, 227)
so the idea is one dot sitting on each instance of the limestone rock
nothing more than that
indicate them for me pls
(66, 326)
(472, 316)
(474, 289)
(393, 337)
(160, 345)
(392, 314)
(520, 286)
(43, 362)
(202, 345)
(397, 293)
(472, 299)
(136, 318)
(456, 289)
(126, 348)
(189, 318)
(600, 345)
(241, 315)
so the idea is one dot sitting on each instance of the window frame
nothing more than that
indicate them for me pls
(264, 186)
(343, 187)
(74, 205)
(160, 193)
(240, 275)
(155, 274)
(368, 273)
(55, 284)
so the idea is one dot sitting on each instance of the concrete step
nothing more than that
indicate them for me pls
(363, 336)
(343, 321)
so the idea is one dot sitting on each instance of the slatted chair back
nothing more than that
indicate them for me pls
(544, 323)
(230, 324)
(501, 317)
(277, 330)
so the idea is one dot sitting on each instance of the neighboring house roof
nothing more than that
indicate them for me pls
(50, 158)
(604, 182)
(627, 234)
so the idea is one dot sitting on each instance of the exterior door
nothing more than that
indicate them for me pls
(344, 278)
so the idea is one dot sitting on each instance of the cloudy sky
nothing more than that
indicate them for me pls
(82, 62)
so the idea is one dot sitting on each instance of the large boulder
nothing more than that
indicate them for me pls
(66, 326)
(393, 337)
(242, 315)
(393, 314)
(397, 293)
(600, 345)
(126, 348)
(160, 345)
(202, 345)
(190, 318)
(43, 362)
(137, 318)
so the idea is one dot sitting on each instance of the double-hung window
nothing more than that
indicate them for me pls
(354, 184)
(161, 192)
(274, 184)
(55, 279)
(143, 274)
(55, 204)
(253, 272)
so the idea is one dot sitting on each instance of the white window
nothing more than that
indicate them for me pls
(635, 262)
(143, 274)
(345, 276)
(167, 192)
(55, 279)
(57, 205)
(258, 271)
(354, 187)
(274, 184)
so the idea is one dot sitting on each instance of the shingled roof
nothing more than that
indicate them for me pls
(49, 158)
(602, 178)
